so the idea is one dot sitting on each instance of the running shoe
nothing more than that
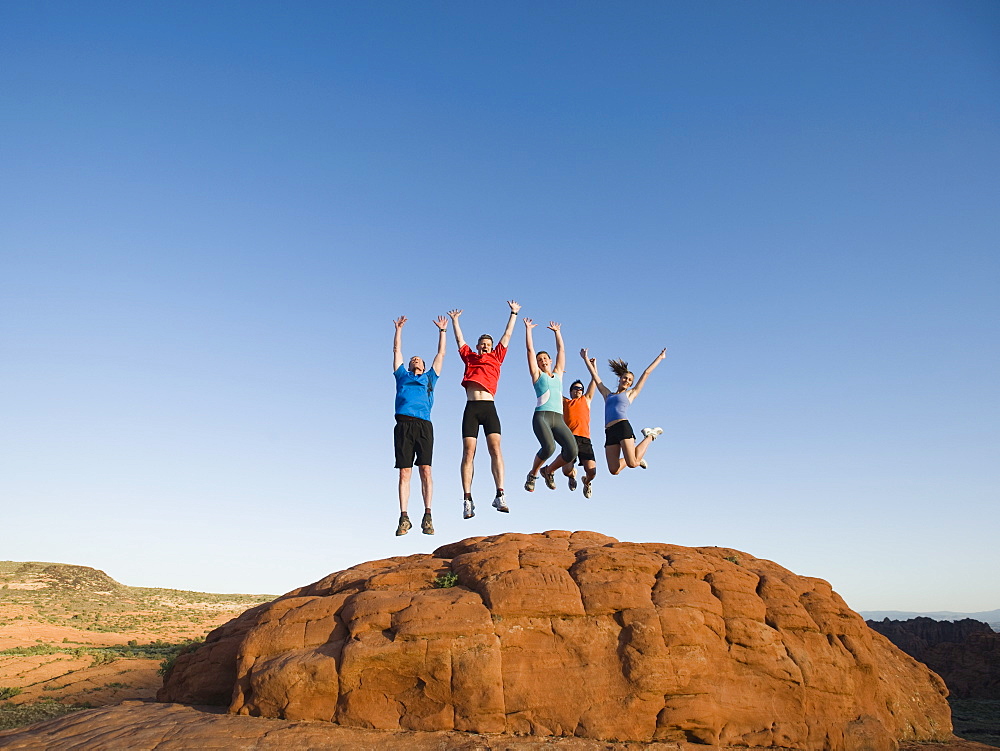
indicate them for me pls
(652, 433)
(404, 525)
(427, 524)
(642, 463)
(468, 509)
(572, 482)
(500, 504)
(529, 484)
(549, 477)
(587, 489)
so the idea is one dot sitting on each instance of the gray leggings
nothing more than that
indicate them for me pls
(550, 429)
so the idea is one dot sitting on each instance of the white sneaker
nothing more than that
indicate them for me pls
(587, 490)
(468, 509)
(652, 433)
(642, 463)
(500, 504)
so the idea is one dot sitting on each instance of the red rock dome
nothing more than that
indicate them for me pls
(573, 634)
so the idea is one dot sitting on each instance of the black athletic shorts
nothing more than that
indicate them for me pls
(618, 433)
(480, 413)
(584, 449)
(413, 438)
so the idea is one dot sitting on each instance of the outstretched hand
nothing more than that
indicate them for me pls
(662, 354)
(441, 322)
(400, 321)
(455, 313)
(553, 326)
(583, 353)
(515, 306)
(528, 324)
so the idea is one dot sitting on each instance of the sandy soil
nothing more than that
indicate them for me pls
(73, 679)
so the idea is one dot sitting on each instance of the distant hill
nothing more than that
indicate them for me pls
(991, 617)
(72, 636)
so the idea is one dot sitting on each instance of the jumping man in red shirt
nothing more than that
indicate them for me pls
(482, 374)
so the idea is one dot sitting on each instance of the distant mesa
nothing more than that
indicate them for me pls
(572, 634)
(965, 653)
(62, 576)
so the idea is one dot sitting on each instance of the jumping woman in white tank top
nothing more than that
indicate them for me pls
(619, 444)
(547, 422)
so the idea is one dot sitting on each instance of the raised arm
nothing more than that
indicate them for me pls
(442, 326)
(514, 308)
(634, 391)
(532, 362)
(560, 366)
(594, 377)
(397, 343)
(591, 389)
(459, 339)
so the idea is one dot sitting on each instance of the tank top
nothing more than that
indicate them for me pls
(616, 407)
(576, 413)
(548, 389)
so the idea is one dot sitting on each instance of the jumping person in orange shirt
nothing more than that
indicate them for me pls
(576, 413)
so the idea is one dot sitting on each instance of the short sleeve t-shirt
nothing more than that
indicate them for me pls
(482, 371)
(548, 389)
(415, 393)
(576, 412)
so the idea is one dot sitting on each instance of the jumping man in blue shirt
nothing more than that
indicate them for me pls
(413, 436)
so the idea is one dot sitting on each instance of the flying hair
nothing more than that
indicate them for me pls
(619, 367)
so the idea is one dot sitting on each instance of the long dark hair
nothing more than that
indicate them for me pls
(620, 368)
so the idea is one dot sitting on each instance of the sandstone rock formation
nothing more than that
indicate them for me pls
(561, 634)
(137, 726)
(965, 653)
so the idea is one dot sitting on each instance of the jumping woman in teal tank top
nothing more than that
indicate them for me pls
(619, 444)
(548, 423)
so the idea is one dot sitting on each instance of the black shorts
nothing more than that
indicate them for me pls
(413, 438)
(480, 413)
(618, 433)
(584, 449)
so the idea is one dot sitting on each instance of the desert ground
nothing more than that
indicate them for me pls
(73, 637)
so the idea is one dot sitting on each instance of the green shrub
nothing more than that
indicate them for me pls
(446, 580)
(8, 692)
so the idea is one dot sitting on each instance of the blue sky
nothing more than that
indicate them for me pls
(213, 212)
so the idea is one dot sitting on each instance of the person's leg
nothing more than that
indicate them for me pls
(628, 450)
(403, 444)
(590, 468)
(566, 440)
(614, 456)
(543, 432)
(496, 458)
(404, 488)
(468, 454)
(426, 485)
(641, 447)
(427, 490)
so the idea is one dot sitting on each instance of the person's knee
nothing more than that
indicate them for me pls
(425, 472)
(405, 472)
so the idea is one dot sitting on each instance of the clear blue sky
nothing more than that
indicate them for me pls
(213, 211)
